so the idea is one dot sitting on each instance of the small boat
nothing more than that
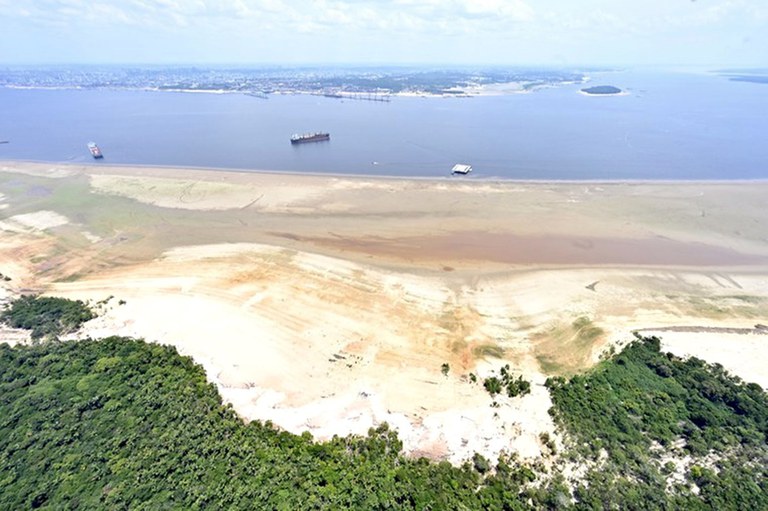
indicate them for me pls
(95, 151)
(310, 137)
(461, 168)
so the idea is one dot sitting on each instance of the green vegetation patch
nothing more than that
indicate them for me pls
(567, 348)
(602, 89)
(720, 307)
(46, 317)
(506, 382)
(488, 351)
(633, 413)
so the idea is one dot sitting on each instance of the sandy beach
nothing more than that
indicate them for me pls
(329, 303)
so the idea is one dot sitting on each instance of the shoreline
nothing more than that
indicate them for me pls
(470, 91)
(449, 178)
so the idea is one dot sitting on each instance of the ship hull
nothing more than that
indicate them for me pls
(316, 137)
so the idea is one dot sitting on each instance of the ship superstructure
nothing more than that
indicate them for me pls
(310, 137)
(94, 150)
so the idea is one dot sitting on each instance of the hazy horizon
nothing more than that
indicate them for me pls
(543, 33)
(448, 66)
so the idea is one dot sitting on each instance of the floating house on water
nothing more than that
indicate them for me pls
(461, 168)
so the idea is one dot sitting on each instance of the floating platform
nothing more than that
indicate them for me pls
(461, 168)
(94, 150)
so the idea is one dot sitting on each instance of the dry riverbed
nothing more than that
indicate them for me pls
(329, 304)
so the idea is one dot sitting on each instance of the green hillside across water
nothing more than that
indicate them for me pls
(123, 424)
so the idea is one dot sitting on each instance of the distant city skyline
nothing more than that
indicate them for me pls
(706, 33)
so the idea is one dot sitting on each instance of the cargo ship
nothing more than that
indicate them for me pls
(310, 137)
(95, 151)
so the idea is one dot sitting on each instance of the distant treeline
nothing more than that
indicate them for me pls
(602, 90)
(123, 424)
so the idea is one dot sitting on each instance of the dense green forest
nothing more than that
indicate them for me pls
(123, 424)
(46, 316)
(632, 415)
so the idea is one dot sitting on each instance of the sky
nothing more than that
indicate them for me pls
(706, 33)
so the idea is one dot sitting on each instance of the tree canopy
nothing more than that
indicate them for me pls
(46, 316)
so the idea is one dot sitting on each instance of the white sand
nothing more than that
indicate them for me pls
(741, 354)
(39, 220)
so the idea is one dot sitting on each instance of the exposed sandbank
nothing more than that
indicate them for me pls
(329, 303)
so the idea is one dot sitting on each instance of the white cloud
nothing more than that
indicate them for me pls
(317, 14)
(399, 29)
(511, 9)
